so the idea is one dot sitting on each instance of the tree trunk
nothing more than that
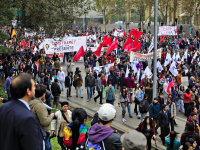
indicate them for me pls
(104, 21)
(142, 25)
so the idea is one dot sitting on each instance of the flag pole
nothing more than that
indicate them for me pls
(155, 49)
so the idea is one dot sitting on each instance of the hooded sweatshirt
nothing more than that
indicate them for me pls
(61, 75)
(98, 133)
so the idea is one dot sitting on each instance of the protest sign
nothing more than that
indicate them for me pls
(141, 57)
(70, 44)
(167, 30)
(107, 69)
(119, 33)
(184, 81)
(27, 34)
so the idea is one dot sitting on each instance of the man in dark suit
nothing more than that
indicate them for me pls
(163, 119)
(55, 56)
(19, 127)
(68, 84)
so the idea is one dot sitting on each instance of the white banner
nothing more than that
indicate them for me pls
(167, 30)
(151, 46)
(27, 34)
(184, 81)
(107, 69)
(71, 44)
(119, 33)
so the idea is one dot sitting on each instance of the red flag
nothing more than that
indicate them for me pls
(124, 34)
(84, 34)
(133, 46)
(161, 40)
(79, 54)
(105, 41)
(136, 33)
(28, 44)
(109, 41)
(138, 47)
(128, 41)
(23, 43)
(169, 85)
(113, 46)
(98, 51)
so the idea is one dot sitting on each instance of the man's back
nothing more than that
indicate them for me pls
(19, 129)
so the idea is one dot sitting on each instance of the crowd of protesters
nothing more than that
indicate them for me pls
(28, 65)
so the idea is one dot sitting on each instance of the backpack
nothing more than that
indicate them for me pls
(188, 136)
(110, 78)
(143, 108)
(99, 146)
(74, 83)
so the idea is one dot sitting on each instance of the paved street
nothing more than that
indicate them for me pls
(131, 123)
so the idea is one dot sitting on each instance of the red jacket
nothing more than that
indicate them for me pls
(186, 97)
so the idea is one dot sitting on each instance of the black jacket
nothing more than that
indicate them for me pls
(28, 67)
(67, 81)
(19, 126)
(121, 81)
(113, 142)
(113, 79)
(54, 57)
(162, 118)
(55, 89)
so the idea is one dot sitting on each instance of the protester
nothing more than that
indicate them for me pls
(41, 113)
(61, 77)
(99, 89)
(172, 112)
(154, 110)
(140, 97)
(68, 84)
(172, 142)
(7, 85)
(55, 88)
(22, 89)
(144, 107)
(77, 130)
(79, 82)
(90, 84)
(63, 118)
(163, 119)
(110, 93)
(102, 134)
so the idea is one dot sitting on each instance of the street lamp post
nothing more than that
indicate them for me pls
(155, 48)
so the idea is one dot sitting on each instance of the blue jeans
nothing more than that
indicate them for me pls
(129, 109)
(117, 82)
(48, 144)
(181, 107)
(49, 100)
(1, 74)
(61, 82)
(89, 92)
(176, 102)
(110, 102)
(80, 88)
(138, 111)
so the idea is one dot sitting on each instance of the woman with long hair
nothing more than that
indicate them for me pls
(75, 133)
(135, 91)
(172, 112)
(171, 142)
(194, 110)
(186, 99)
(124, 100)
(147, 128)
(180, 98)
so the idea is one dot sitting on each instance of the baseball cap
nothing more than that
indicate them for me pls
(107, 112)
(134, 140)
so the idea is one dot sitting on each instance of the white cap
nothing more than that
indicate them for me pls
(107, 112)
